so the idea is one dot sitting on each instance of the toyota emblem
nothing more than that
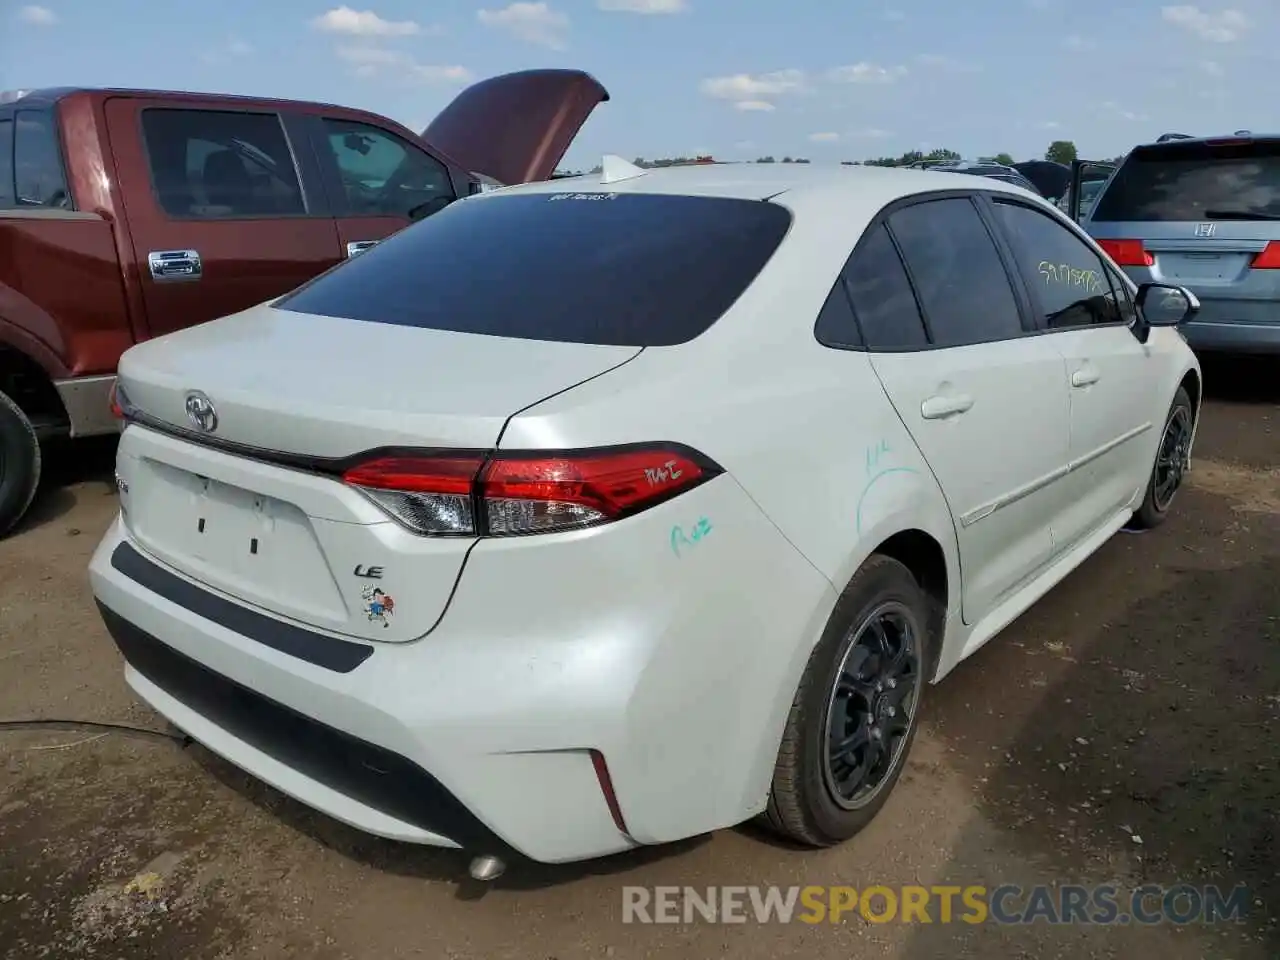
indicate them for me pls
(201, 413)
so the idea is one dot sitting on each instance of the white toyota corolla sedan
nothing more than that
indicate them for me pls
(606, 512)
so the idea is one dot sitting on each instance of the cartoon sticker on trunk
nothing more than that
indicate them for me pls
(379, 606)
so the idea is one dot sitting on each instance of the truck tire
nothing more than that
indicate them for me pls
(19, 464)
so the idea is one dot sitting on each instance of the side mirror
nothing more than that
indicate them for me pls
(1165, 304)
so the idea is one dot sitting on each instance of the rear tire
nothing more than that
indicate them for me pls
(19, 464)
(862, 687)
(1172, 456)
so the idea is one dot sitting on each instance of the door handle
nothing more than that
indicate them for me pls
(939, 408)
(175, 266)
(1085, 377)
(359, 246)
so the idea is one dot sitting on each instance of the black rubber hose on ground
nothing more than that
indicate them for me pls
(40, 723)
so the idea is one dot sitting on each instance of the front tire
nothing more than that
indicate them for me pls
(853, 718)
(1172, 457)
(19, 464)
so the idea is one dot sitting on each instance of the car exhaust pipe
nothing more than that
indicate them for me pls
(487, 868)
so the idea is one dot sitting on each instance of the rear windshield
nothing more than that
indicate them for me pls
(1195, 181)
(640, 270)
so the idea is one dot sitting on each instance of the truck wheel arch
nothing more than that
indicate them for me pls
(30, 384)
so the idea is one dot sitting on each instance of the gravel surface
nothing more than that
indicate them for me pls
(1122, 731)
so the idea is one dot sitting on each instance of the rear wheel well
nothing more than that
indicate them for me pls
(1191, 384)
(924, 557)
(25, 382)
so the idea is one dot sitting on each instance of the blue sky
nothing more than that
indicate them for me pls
(735, 78)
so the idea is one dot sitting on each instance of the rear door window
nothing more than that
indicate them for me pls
(1193, 180)
(642, 270)
(221, 164)
(957, 272)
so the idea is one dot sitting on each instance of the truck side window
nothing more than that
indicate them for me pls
(221, 164)
(6, 164)
(382, 175)
(39, 180)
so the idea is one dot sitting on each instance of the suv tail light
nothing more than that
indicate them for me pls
(1127, 253)
(513, 493)
(1269, 258)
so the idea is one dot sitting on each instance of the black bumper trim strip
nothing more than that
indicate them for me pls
(367, 773)
(341, 656)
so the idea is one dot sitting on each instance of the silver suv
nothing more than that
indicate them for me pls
(1204, 213)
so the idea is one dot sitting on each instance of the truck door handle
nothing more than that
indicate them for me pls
(172, 266)
(1085, 377)
(359, 246)
(939, 408)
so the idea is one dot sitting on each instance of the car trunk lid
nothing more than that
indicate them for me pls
(516, 127)
(256, 508)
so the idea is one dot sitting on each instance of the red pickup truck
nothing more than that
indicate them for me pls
(127, 214)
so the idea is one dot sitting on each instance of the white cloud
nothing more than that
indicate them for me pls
(1226, 26)
(872, 133)
(1078, 44)
(1049, 125)
(530, 22)
(950, 64)
(1124, 113)
(363, 23)
(232, 49)
(1213, 68)
(643, 6)
(894, 16)
(866, 73)
(754, 91)
(38, 16)
(824, 137)
(436, 73)
(371, 61)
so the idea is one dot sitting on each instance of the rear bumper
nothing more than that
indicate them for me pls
(1246, 338)
(479, 735)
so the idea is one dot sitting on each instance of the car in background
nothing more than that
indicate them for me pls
(1204, 213)
(1088, 195)
(986, 168)
(600, 513)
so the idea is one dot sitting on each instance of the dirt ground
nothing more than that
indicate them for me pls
(1122, 731)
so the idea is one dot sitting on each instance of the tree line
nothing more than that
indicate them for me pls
(1060, 151)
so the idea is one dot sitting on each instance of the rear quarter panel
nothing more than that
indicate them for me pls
(807, 433)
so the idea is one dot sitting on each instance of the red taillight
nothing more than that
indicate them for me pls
(526, 493)
(1269, 258)
(1127, 253)
(428, 494)
(117, 400)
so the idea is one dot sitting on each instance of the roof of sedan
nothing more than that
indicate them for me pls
(760, 181)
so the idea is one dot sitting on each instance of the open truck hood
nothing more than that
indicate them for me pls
(516, 127)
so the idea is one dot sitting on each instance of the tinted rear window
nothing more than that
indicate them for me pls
(622, 269)
(1195, 181)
